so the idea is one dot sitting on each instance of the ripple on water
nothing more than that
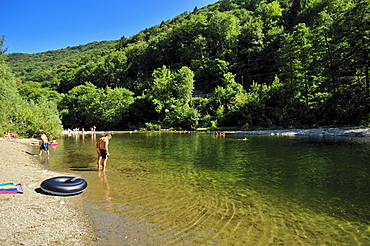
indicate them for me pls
(205, 191)
(176, 215)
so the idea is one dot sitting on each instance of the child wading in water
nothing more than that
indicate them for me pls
(45, 143)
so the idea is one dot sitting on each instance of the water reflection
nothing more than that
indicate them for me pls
(105, 188)
(44, 159)
(202, 189)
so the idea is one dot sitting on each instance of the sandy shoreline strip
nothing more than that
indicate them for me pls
(33, 218)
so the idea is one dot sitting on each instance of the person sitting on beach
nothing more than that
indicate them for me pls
(13, 135)
(45, 143)
(6, 135)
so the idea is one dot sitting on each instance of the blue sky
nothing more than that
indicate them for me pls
(32, 26)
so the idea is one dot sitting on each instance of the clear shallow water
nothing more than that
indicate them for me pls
(199, 189)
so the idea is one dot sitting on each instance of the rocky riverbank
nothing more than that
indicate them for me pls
(33, 218)
(348, 132)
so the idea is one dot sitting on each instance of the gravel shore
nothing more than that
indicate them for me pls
(34, 218)
(346, 132)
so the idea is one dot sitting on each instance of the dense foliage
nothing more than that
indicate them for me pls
(235, 63)
(25, 117)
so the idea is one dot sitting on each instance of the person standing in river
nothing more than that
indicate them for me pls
(45, 143)
(102, 150)
(98, 150)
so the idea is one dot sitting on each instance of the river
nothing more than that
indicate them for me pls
(203, 189)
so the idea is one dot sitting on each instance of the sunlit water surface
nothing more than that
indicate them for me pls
(200, 189)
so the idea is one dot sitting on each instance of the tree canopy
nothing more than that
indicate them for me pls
(26, 117)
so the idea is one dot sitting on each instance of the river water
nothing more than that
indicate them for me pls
(202, 189)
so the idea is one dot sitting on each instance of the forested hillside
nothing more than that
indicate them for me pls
(43, 66)
(17, 114)
(236, 63)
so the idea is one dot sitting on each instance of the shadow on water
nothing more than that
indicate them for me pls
(83, 169)
(199, 189)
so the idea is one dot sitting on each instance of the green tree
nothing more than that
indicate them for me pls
(22, 116)
(248, 59)
(75, 106)
(209, 73)
(222, 32)
(31, 90)
(296, 58)
(185, 41)
(270, 12)
(109, 109)
(171, 95)
(86, 105)
(226, 98)
(111, 70)
(353, 32)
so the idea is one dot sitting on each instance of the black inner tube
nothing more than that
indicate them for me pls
(64, 184)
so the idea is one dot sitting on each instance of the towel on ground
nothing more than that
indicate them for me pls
(10, 188)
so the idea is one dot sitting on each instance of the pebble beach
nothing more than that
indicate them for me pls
(35, 218)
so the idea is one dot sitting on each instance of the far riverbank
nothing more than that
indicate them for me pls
(348, 132)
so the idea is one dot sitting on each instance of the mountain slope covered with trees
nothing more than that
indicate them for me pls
(236, 63)
(18, 114)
